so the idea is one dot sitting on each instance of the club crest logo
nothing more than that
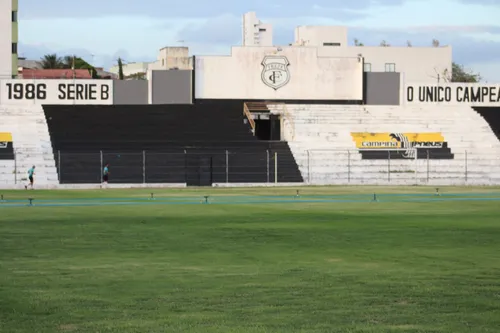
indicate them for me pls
(275, 72)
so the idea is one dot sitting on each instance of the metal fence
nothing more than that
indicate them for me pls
(175, 167)
(399, 166)
(218, 166)
(316, 166)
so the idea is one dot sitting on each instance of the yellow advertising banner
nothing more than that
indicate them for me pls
(6, 146)
(370, 141)
(5, 137)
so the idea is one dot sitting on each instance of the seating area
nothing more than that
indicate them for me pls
(30, 145)
(198, 144)
(206, 144)
(436, 145)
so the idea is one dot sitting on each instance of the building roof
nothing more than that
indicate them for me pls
(31, 64)
(54, 74)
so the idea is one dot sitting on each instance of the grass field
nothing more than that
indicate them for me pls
(256, 260)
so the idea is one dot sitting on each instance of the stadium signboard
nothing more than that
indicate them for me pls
(6, 147)
(453, 94)
(401, 145)
(81, 92)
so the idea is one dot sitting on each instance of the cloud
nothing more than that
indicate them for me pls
(30, 9)
(479, 2)
(224, 29)
(35, 52)
(469, 46)
(467, 49)
(449, 29)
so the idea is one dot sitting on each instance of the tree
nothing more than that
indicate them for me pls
(384, 44)
(408, 43)
(120, 69)
(357, 42)
(435, 43)
(51, 61)
(460, 74)
(74, 62)
(137, 76)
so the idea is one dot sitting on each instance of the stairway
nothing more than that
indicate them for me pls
(32, 146)
(326, 153)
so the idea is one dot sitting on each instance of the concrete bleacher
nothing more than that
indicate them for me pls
(31, 144)
(326, 153)
(177, 144)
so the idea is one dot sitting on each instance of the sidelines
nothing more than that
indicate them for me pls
(268, 199)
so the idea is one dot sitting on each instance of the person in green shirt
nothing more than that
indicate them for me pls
(31, 173)
(105, 175)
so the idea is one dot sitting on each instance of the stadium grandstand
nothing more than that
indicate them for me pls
(316, 111)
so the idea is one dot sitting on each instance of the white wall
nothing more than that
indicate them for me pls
(452, 94)
(172, 58)
(131, 68)
(318, 35)
(417, 64)
(255, 32)
(5, 39)
(22, 92)
(307, 76)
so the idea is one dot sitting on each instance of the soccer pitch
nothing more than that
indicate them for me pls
(323, 259)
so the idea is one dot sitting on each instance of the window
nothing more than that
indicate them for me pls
(367, 67)
(163, 62)
(262, 30)
(14, 16)
(331, 44)
(390, 67)
(14, 48)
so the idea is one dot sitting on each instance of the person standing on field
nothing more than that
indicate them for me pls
(105, 174)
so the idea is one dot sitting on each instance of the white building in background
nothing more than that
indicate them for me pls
(418, 64)
(172, 58)
(256, 33)
(8, 38)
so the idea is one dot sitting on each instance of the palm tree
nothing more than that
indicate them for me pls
(51, 61)
(69, 62)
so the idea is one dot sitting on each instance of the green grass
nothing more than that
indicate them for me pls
(304, 267)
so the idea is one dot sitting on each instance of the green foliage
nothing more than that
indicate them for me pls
(357, 42)
(51, 61)
(460, 74)
(137, 76)
(120, 69)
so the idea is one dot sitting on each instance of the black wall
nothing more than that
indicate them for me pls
(173, 143)
(492, 116)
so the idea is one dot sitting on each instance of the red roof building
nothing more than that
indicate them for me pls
(25, 73)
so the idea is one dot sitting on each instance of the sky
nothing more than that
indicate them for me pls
(101, 31)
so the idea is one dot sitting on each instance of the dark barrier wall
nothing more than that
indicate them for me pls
(382, 88)
(197, 144)
(492, 116)
(171, 87)
(130, 92)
